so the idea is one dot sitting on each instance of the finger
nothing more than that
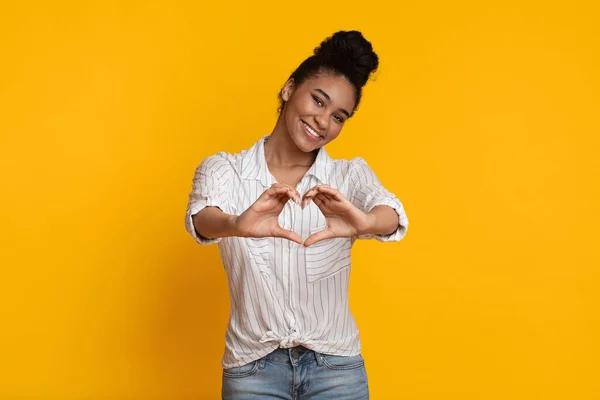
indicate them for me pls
(294, 195)
(331, 192)
(308, 196)
(305, 202)
(275, 191)
(317, 237)
(319, 201)
(283, 197)
(325, 197)
(311, 192)
(280, 191)
(325, 189)
(291, 195)
(296, 192)
(323, 203)
(293, 189)
(284, 233)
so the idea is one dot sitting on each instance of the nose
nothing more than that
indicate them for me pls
(322, 121)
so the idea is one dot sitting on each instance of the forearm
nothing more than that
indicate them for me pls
(383, 220)
(212, 223)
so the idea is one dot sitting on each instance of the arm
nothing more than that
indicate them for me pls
(208, 200)
(208, 217)
(211, 222)
(371, 212)
(260, 220)
(345, 219)
(388, 218)
(383, 221)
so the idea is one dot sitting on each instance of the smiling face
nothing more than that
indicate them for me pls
(315, 111)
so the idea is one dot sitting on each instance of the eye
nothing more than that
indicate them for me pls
(338, 118)
(318, 101)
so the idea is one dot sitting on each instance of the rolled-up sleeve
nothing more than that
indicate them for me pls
(368, 192)
(208, 190)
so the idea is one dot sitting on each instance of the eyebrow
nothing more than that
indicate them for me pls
(329, 100)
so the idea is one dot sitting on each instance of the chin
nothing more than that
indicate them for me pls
(301, 141)
(306, 145)
(302, 144)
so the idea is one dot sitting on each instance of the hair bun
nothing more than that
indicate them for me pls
(351, 53)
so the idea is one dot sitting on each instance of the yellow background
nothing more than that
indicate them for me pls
(483, 119)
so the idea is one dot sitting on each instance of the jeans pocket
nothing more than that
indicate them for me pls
(241, 372)
(342, 362)
(327, 257)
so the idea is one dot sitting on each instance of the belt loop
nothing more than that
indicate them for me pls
(261, 362)
(319, 358)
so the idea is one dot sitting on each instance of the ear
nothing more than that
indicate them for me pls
(288, 89)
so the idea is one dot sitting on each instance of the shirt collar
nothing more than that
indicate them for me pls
(254, 165)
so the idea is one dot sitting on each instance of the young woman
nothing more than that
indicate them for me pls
(285, 215)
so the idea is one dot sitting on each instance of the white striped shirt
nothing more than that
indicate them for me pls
(283, 294)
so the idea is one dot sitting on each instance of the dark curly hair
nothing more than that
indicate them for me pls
(345, 53)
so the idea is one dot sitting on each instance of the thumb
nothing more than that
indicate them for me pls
(317, 237)
(284, 233)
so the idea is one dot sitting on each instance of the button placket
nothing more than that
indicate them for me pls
(292, 321)
(288, 222)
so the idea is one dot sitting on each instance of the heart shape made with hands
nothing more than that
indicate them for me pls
(295, 207)
(312, 209)
(333, 209)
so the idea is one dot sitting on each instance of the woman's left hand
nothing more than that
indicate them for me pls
(343, 218)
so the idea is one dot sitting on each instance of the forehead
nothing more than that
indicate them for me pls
(337, 87)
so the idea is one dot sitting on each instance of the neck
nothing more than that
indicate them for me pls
(281, 150)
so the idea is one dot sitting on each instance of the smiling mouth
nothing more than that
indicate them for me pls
(310, 130)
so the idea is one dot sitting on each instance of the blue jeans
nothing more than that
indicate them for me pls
(298, 374)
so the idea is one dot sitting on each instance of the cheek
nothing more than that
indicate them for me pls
(334, 131)
(298, 109)
(303, 110)
(295, 108)
(291, 118)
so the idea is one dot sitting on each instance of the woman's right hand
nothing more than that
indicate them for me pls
(262, 218)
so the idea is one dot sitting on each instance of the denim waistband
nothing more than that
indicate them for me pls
(293, 355)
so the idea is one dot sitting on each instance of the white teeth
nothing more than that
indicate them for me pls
(310, 130)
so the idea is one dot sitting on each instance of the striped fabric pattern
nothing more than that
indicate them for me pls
(283, 294)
